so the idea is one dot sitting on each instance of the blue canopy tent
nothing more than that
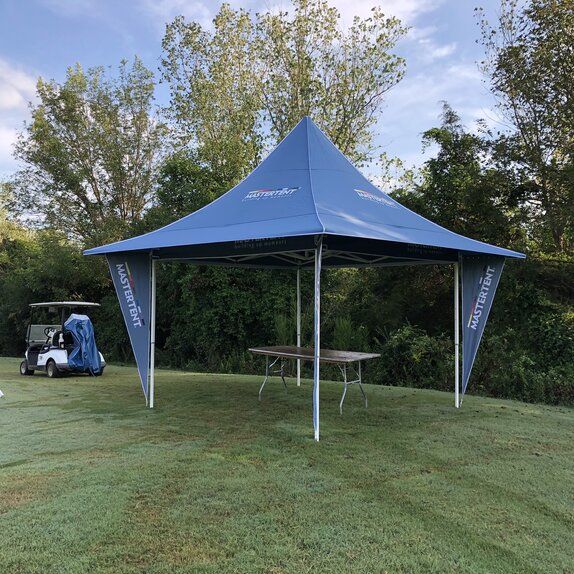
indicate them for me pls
(304, 206)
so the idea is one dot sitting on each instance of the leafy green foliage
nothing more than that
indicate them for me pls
(43, 266)
(184, 185)
(463, 188)
(90, 153)
(255, 77)
(209, 316)
(529, 59)
(285, 329)
(310, 66)
(214, 90)
(412, 358)
(92, 150)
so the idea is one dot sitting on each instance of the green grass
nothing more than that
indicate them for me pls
(214, 481)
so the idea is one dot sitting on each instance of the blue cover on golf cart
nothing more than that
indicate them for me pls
(84, 357)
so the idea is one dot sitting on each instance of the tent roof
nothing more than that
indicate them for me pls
(305, 188)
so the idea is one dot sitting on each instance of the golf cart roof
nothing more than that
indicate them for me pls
(69, 304)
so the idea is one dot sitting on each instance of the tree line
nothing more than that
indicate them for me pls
(100, 162)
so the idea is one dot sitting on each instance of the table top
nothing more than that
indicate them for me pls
(308, 354)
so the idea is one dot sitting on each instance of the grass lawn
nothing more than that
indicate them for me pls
(213, 481)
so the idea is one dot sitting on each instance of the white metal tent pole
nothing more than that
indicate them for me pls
(317, 342)
(456, 335)
(152, 336)
(298, 324)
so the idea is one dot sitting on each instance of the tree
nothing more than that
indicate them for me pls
(9, 230)
(530, 63)
(247, 83)
(465, 189)
(89, 153)
(310, 66)
(215, 90)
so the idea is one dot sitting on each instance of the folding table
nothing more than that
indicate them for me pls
(343, 359)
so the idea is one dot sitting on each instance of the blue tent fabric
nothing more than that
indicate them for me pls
(84, 357)
(480, 278)
(304, 194)
(304, 188)
(131, 277)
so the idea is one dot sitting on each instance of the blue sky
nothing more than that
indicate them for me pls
(44, 37)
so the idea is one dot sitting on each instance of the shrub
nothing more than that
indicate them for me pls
(412, 358)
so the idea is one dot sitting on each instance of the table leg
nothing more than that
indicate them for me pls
(361, 385)
(344, 373)
(266, 375)
(346, 383)
(267, 367)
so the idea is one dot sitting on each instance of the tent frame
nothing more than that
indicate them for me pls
(305, 206)
(318, 257)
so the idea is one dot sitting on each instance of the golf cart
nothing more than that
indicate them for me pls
(67, 346)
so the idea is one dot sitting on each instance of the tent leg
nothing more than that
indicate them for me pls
(317, 341)
(152, 337)
(456, 336)
(298, 324)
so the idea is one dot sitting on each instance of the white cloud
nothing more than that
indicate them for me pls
(8, 164)
(429, 51)
(418, 34)
(10, 98)
(405, 10)
(438, 52)
(419, 96)
(16, 87)
(415, 105)
(464, 73)
(203, 11)
(7, 139)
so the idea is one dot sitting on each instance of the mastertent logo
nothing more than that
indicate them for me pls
(380, 199)
(263, 194)
(482, 297)
(129, 290)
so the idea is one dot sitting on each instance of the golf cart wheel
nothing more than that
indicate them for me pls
(100, 372)
(24, 370)
(52, 370)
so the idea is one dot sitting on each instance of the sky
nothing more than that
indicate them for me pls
(42, 38)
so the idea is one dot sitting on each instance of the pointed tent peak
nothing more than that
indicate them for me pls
(305, 147)
(294, 146)
(305, 122)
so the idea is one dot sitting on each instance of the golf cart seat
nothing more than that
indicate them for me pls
(56, 338)
(68, 339)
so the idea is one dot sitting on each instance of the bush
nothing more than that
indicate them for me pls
(412, 358)
(347, 336)
(285, 330)
(506, 370)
